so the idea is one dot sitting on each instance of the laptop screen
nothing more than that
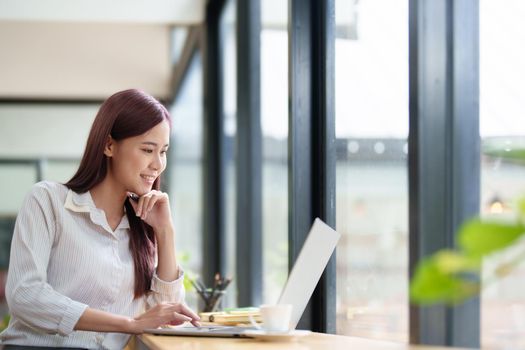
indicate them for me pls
(308, 267)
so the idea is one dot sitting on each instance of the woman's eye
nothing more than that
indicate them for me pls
(148, 150)
(164, 152)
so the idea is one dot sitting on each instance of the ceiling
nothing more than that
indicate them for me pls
(86, 50)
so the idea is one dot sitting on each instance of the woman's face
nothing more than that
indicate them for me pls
(135, 162)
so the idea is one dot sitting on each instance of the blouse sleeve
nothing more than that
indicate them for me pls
(166, 292)
(30, 298)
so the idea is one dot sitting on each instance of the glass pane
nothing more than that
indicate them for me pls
(371, 173)
(178, 39)
(185, 172)
(15, 182)
(33, 131)
(229, 86)
(29, 133)
(502, 107)
(274, 124)
(60, 171)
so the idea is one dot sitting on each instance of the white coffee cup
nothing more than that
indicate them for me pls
(276, 318)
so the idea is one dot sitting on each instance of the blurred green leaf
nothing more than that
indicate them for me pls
(521, 209)
(183, 256)
(517, 154)
(480, 238)
(189, 277)
(187, 283)
(431, 284)
(450, 261)
(450, 276)
(5, 322)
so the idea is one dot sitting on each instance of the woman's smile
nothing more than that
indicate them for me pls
(148, 178)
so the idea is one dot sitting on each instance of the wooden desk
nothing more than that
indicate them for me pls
(315, 341)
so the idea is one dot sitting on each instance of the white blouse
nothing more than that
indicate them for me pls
(65, 258)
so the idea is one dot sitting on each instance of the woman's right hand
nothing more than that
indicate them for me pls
(164, 314)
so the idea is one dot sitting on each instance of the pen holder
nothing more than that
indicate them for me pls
(211, 297)
(213, 302)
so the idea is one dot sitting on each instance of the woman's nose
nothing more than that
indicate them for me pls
(156, 164)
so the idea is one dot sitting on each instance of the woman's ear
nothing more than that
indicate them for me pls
(108, 149)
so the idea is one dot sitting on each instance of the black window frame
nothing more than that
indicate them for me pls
(444, 146)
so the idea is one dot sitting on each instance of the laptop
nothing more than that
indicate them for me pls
(306, 272)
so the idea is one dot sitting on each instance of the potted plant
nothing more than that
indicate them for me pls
(451, 276)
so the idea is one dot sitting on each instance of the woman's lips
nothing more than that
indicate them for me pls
(148, 178)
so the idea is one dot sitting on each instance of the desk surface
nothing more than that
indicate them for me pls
(315, 341)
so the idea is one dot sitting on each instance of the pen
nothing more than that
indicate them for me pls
(215, 283)
(201, 292)
(201, 285)
(226, 283)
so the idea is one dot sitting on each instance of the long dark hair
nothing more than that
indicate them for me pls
(125, 114)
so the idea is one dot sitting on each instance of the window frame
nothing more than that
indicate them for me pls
(444, 146)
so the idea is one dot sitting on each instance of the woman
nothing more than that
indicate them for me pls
(89, 257)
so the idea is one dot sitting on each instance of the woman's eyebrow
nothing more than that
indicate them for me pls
(153, 143)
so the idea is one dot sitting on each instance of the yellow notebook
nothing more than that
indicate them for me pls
(231, 317)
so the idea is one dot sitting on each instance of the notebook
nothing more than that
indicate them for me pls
(306, 272)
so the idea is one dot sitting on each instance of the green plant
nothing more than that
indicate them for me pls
(184, 258)
(4, 322)
(452, 276)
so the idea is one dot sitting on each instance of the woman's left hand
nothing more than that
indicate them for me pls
(154, 208)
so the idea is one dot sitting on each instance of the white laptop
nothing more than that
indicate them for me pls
(306, 272)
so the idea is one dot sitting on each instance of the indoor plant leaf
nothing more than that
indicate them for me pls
(521, 209)
(479, 238)
(431, 284)
(517, 154)
(451, 261)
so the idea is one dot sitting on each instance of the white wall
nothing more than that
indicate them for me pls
(172, 12)
(69, 60)
(35, 130)
(38, 130)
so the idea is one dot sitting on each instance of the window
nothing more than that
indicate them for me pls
(184, 174)
(502, 107)
(31, 151)
(229, 88)
(274, 125)
(371, 168)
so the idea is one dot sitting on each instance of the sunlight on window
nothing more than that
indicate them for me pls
(371, 173)
(274, 125)
(502, 107)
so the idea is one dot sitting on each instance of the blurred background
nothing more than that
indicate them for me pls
(59, 59)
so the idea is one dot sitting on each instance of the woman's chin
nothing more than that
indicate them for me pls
(142, 190)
